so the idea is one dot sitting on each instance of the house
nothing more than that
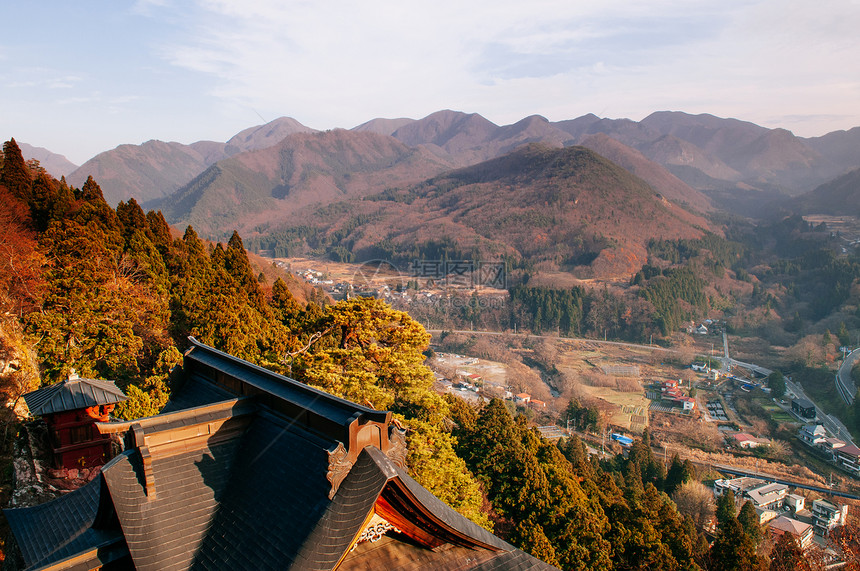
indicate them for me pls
(802, 532)
(248, 469)
(768, 496)
(747, 441)
(826, 516)
(522, 398)
(794, 502)
(848, 457)
(538, 404)
(812, 434)
(765, 515)
(803, 408)
(830, 445)
(737, 485)
(702, 330)
(687, 403)
(71, 409)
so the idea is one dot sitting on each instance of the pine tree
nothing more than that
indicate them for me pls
(733, 550)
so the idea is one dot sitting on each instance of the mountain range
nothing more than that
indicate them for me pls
(708, 153)
(282, 175)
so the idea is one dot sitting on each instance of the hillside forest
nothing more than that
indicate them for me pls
(113, 293)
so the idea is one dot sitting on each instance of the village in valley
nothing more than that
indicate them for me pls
(765, 441)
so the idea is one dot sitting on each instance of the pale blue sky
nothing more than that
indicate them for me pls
(82, 77)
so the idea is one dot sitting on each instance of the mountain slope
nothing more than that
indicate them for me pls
(551, 209)
(840, 196)
(156, 169)
(660, 179)
(146, 172)
(56, 165)
(255, 190)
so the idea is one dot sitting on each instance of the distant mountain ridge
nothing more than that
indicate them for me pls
(708, 153)
(156, 169)
(56, 165)
(256, 190)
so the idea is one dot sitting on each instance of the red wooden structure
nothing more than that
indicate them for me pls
(71, 409)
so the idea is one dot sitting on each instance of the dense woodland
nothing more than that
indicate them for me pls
(114, 294)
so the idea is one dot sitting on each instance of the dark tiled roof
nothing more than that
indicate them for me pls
(190, 395)
(165, 532)
(318, 410)
(515, 560)
(276, 494)
(244, 483)
(73, 394)
(53, 531)
(804, 403)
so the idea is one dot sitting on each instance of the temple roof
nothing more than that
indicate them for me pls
(259, 472)
(72, 394)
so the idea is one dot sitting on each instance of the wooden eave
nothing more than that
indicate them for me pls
(319, 412)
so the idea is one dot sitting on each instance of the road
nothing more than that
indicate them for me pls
(778, 480)
(831, 423)
(844, 380)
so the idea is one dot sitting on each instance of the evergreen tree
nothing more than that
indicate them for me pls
(726, 509)
(748, 518)
(15, 174)
(733, 550)
(776, 382)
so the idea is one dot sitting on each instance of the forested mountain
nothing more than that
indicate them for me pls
(56, 165)
(257, 190)
(549, 208)
(840, 196)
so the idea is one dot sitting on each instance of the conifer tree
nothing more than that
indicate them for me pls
(726, 509)
(15, 174)
(748, 518)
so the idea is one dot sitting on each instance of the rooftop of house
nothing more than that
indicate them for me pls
(73, 394)
(803, 403)
(767, 494)
(849, 450)
(790, 525)
(247, 469)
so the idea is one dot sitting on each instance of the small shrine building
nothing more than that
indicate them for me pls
(71, 410)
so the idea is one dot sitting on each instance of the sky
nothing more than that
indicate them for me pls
(83, 77)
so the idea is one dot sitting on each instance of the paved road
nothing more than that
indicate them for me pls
(831, 423)
(844, 380)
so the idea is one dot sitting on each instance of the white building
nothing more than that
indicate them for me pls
(812, 434)
(826, 516)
